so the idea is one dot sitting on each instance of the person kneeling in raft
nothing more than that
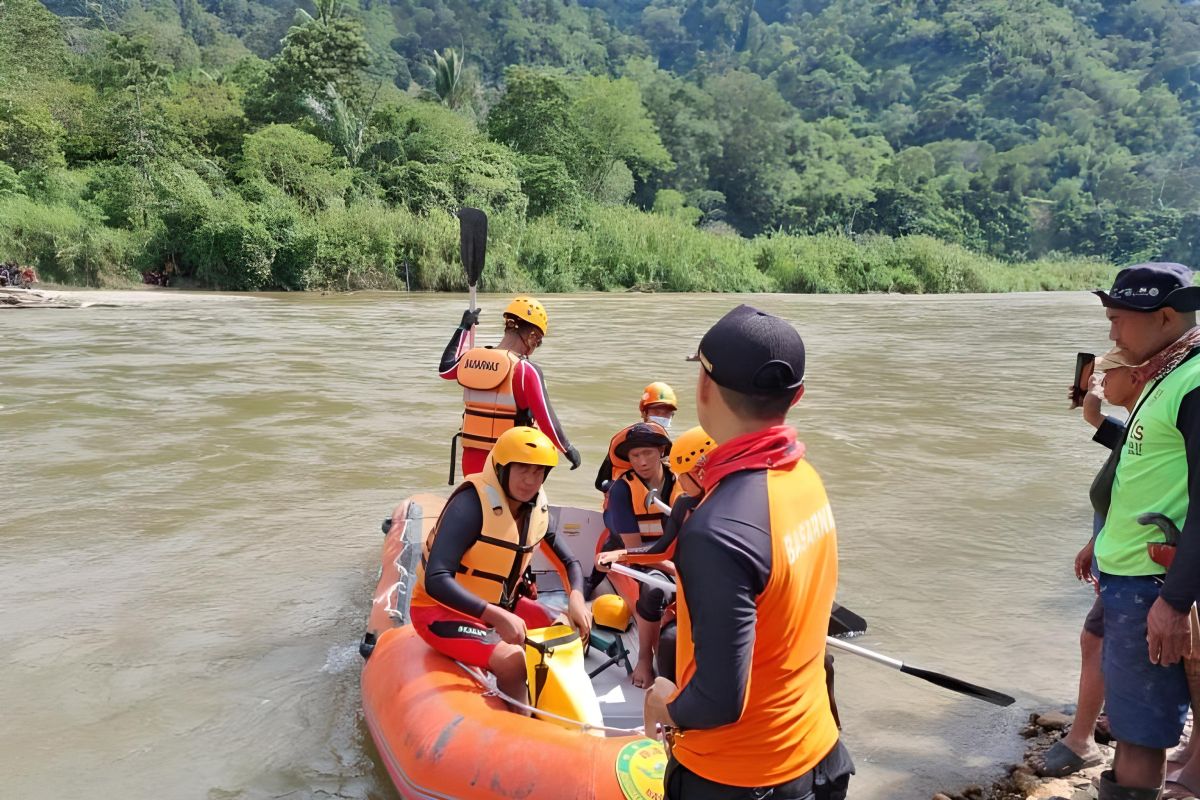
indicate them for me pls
(467, 601)
(631, 524)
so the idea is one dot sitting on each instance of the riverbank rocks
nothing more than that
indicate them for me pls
(1023, 782)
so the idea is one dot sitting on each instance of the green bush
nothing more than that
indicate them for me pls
(64, 244)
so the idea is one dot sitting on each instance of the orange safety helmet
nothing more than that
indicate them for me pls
(658, 393)
(689, 448)
(611, 611)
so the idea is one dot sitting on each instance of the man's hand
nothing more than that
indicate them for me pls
(1168, 634)
(469, 319)
(574, 457)
(508, 625)
(654, 709)
(608, 558)
(578, 613)
(1083, 563)
(1091, 402)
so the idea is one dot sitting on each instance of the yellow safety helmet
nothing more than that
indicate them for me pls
(658, 393)
(526, 309)
(688, 449)
(524, 445)
(611, 611)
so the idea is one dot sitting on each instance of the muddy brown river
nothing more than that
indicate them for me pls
(191, 487)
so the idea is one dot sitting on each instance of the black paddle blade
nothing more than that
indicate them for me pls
(472, 240)
(962, 687)
(844, 622)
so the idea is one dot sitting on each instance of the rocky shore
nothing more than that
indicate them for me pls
(1022, 781)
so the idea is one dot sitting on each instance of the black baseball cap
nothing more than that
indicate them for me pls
(1150, 286)
(753, 352)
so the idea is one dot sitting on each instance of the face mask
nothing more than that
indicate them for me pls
(664, 421)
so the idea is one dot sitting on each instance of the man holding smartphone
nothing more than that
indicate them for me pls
(1152, 316)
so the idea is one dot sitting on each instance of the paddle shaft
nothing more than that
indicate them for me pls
(936, 678)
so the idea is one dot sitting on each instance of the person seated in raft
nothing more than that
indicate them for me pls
(685, 460)
(631, 524)
(658, 404)
(28, 277)
(466, 602)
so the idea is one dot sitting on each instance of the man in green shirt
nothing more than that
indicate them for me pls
(1151, 312)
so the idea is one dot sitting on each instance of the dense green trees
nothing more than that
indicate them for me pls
(281, 144)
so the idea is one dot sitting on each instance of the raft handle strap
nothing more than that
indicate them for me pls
(493, 690)
(453, 457)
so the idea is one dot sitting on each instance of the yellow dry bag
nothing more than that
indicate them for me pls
(558, 680)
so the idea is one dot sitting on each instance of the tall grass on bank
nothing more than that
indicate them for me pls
(271, 243)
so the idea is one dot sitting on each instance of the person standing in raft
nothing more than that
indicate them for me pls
(1152, 316)
(658, 405)
(502, 388)
(631, 524)
(756, 569)
(466, 602)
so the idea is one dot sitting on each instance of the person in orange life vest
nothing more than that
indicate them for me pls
(466, 603)
(685, 460)
(756, 569)
(658, 404)
(631, 523)
(502, 388)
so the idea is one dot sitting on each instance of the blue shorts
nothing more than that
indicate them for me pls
(1146, 703)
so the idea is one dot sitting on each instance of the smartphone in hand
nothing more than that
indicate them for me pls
(1085, 363)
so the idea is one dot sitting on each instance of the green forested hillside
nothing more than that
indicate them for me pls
(853, 145)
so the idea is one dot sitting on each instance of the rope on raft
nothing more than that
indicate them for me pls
(489, 684)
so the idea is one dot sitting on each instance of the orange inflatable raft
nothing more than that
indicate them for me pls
(442, 734)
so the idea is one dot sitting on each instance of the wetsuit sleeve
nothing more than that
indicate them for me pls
(1182, 587)
(730, 560)
(619, 517)
(529, 390)
(458, 345)
(666, 543)
(1110, 433)
(569, 562)
(604, 474)
(459, 528)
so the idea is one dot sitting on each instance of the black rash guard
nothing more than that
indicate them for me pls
(1182, 587)
(724, 554)
(459, 528)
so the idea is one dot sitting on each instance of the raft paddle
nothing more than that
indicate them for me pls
(842, 621)
(936, 678)
(945, 681)
(472, 247)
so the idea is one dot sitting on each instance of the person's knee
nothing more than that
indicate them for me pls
(650, 604)
(508, 663)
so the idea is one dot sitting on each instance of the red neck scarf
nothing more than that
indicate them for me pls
(770, 448)
(1169, 357)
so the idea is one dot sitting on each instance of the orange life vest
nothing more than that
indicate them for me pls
(619, 465)
(490, 408)
(492, 567)
(650, 521)
(786, 726)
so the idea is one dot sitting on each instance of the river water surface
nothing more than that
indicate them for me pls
(191, 487)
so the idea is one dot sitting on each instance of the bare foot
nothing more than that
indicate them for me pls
(643, 674)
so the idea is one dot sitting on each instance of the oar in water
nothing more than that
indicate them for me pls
(472, 248)
(937, 678)
(945, 681)
(842, 621)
